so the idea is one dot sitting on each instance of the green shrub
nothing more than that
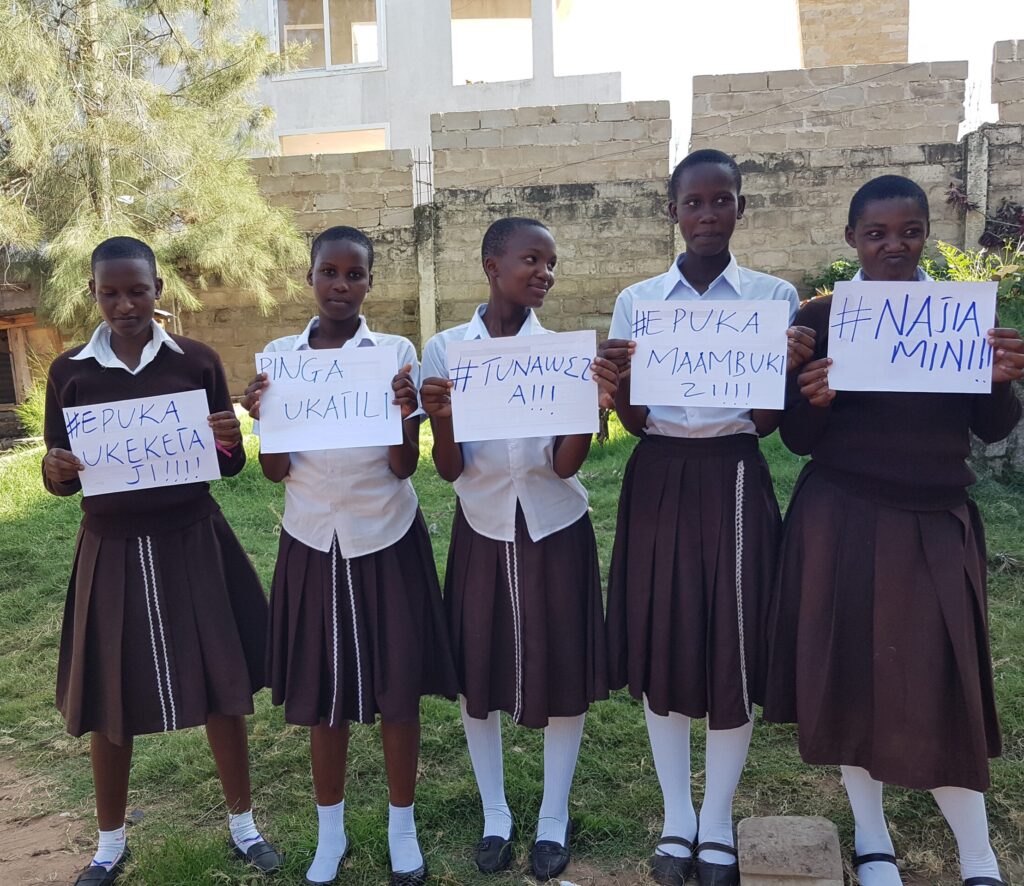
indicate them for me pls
(31, 411)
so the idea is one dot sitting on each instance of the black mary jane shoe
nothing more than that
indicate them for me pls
(983, 881)
(341, 862)
(97, 875)
(672, 870)
(261, 855)
(494, 853)
(711, 874)
(548, 859)
(417, 877)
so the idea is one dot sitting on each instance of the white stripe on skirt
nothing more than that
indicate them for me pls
(512, 568)
(740, 476)
(149, 586)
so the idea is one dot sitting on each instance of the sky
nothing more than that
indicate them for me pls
(660, 44)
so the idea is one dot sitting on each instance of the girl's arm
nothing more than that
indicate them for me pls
(227, 430)
(275, 465)
(403, 457)
(620, 352)
(436, 398)
(799, 349)
(60, 465)
(995, 415)
(570, 451)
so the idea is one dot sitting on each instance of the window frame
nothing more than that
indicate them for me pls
(329, 69)
(318, 130)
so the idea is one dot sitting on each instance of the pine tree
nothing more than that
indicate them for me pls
(137, 118)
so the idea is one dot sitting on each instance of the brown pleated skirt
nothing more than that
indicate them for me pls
(526, 623)
(879, 646)
(691, 576)
(160, 631)
(351, 639)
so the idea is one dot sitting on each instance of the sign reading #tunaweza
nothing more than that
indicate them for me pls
(334, 398)
(729, 353)
(143, 443)
(923, 336)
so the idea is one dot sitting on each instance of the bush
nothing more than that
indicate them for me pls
(824, 282)
(31, 411)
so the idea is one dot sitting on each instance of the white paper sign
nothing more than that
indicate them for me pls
(523, 386)
(329, 399)
(716, 353)
(139, 444)
(920, 336)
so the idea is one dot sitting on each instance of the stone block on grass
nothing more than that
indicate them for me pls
(788, 850)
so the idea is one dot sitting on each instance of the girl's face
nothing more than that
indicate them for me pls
(340, 278)
(126, 291)
(706, 208)
(525, 272)
(889, 238)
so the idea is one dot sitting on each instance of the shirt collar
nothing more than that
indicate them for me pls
(99, 349)
(674, 277)
(362, 338)
(919, 275)
(477, 329)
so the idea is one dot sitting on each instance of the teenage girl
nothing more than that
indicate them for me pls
(356, 624)
(695, 542)
(522, 591)
(165, 618)
(880, 639)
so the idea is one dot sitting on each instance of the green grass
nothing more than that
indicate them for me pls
(616, 801)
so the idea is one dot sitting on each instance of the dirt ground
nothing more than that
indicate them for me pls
(34, 848)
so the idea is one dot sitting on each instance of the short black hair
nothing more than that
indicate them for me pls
(697, 158)
(341, 232)
(123, 247)
(497, 236)
(886, 187)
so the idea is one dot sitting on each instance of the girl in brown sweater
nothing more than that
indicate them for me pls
(879, 630)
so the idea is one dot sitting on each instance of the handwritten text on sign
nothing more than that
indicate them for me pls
(920, 336)
(139, 444)
(329, 399)
(523, 386)
(718, 353)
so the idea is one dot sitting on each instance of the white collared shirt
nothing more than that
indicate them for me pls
(496, 474)
(100, 350)
(919, 275)
(733, 282)
(351, 493)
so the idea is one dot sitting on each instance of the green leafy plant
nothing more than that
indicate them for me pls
(825, 281)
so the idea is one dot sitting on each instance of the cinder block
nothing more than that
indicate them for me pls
(947, 70)
(827, 76)
(1011, 112)
(436, 122)
(520, 135)
(298, 163)
(1008, 91)
(277, 184)
(787, 850)
(445, 141)
(618, 111)
(788, 79)
(708, 83)
(483, 138)
(651, 110)
(1006, 50)
(748, 82)
(630, 130)
(1007, 71)
(593, 133)
(497, 119)
(337, 162)
(557, 134)
(458, 120)
(261, 165)
(536, 116)
(660, 129)
(575, 113)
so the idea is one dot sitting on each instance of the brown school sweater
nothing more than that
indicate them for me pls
(85, 382)
(902, 450)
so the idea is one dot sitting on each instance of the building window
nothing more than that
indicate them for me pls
(348, 141)
(481, 26)
(328, 34)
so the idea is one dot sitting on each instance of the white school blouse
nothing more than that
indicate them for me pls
(348, 493)
(100, 350)
(733, 282)
(496, 474)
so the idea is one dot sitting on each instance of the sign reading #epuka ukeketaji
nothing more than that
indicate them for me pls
(142, 443)
(333, 398)
(923, 336)
(728, 353)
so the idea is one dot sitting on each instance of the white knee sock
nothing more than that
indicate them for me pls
(110, 848)
(670, 747)
(965, 812)
(330, 845)
(483, 738)
(562, 738)
(726, 752)
(243, 830)
(870, 831)
(402, 842)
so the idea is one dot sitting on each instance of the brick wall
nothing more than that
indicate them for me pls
(1008, 80)
(853, 32)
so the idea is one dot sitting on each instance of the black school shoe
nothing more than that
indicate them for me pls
(672, 870)
(711, 874)
(983, 881)
(548, 859)
(417, 877)
(97, 875)
(261, 855)
(494, 853)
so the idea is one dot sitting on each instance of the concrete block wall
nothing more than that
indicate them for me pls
(835, 107)
(1008, 80)
(568, 144)
(853, 32)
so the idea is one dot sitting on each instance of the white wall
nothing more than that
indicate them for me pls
(415, 80)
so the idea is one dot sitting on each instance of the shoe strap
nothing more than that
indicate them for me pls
(983, 881)
(717, 847)
(676, 841)
(857, 860)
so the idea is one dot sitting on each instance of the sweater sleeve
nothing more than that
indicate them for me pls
(803, 425)
(219, 398)
(55, 435)
(994, 415)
